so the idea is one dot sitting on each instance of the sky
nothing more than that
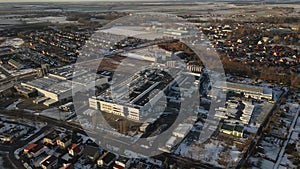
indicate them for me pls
(77, 0)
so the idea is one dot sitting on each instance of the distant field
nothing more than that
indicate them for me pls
(166, 6)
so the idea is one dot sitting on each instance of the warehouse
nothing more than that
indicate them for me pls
(136, 102)
(182, 130)
(58, 90)
(248, 90)
(152, 54)
(52, 88)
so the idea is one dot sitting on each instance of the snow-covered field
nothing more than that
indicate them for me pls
(211, 153)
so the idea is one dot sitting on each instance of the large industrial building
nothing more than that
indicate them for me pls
(248, 90)
(152, 54)
(59, 86)
(67, 72)
(135, 99)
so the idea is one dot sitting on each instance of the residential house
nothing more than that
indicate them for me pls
(64, 141)
(67, 166)
(235, 130)
(90, 152)
(51, 138)
(11, 134)
(76, 149)
(50, 162)
(106, 160)
(34, 150)
(238, 131)
(121, 163)
(142, 165)
(227, 129)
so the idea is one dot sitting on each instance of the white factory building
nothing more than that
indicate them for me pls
(136, 102)
(59, 88)
(152, 54)
(255, 92)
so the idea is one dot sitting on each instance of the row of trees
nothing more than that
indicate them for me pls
(274, 74)
(279, 19)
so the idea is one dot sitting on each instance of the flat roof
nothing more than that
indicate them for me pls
(171, 140)
(183, 128)
(51, 84)
(90, 150)
(239, 128)
(67, 72)
(151, 51)
(124, 30)
(227, 127)
(87, 78)
(243, 87)
(148, 86)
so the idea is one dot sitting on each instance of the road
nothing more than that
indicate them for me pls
(280, 156)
